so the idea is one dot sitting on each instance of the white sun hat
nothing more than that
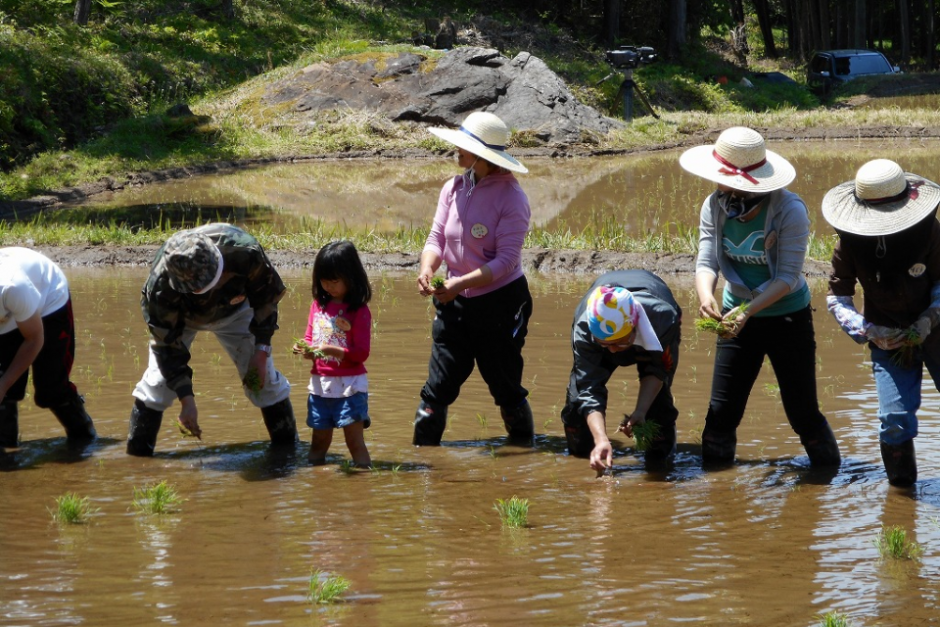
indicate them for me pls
(740, 160)
(486, 136)
(883, 199)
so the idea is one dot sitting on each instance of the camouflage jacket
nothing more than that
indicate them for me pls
(247, 274)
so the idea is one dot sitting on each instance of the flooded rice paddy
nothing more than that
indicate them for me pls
(644, 193)
(767, 542)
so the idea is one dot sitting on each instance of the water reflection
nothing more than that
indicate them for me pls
(646, 194)
(766, 542)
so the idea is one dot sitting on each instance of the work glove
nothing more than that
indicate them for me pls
(885, 338)
(922, 329)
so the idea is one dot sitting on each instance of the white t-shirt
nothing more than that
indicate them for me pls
(29, 282)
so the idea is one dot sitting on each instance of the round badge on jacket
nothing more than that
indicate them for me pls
(917, 270)
(479, 231)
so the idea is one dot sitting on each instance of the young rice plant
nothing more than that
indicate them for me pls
(514, 512)
(325, 588)
(158, 498)
(71, 509)
(892, 543)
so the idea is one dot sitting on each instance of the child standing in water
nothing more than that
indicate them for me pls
(338, 340)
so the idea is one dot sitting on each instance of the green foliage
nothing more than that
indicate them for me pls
(892, 543)
(513, 512)
(834, 619)
(70, 509)
(158, 498)
(325, 589)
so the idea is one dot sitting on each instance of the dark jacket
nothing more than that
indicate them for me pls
(593, 364)
(896, 272)
(247, 274)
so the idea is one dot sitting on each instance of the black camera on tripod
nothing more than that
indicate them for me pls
(629, 57)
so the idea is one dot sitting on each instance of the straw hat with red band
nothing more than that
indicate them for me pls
(739, 160)
(883, 199)
(486, 136)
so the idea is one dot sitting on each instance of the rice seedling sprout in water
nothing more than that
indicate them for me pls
(892, 543)
(513, 512)
(326, 588)
(158, 498)
(834, 619)
(72, 509)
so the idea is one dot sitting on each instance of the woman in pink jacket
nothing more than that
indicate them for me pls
(484, 305)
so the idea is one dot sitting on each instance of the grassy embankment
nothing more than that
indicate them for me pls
(83, 103)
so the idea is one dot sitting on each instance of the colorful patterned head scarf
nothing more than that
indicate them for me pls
(612, 313)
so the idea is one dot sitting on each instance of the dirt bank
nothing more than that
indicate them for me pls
(535, 261)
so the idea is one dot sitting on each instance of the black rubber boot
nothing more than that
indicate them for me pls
(900, 463)
(281, 424)
(430, 422)
(520, 425)
(662, 450)
(823, 450)
(9, 425)
(718, 448)
(143, 431)
(71, 414)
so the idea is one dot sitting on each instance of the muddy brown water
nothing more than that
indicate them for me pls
(767, 542)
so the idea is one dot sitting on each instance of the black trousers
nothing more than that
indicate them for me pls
(789, 341)
(53, 366)
(487, 330)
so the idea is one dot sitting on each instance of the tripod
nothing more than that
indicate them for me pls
(627, 89)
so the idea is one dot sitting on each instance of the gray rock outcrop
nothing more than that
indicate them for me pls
(522, 91)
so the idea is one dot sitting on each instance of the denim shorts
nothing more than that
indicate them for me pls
(336, 413)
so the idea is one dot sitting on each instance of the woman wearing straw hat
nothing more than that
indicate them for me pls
(754, 232)
(889, 243)
(484, 306)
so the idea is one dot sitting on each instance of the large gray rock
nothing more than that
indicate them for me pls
(523, 91)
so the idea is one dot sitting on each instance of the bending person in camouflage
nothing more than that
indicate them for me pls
(213, 278)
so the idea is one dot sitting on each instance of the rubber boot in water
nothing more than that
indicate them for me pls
(520, 425)
(718, 449)
(900, 463)
(430, 422)
(662, 450)
(9, 425)
(143, 430)
(823, 450)
(281, 424)
(71, 414)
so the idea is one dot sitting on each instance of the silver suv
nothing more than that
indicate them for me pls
(833, 67)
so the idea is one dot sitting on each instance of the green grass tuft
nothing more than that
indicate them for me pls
(158, 498)
(514, 512)
(325, 588)
(834, 619)
(644, 433)
(892, 543)
(437, 282)
(71, 509)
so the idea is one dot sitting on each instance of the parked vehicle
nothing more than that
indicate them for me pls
(830, 68)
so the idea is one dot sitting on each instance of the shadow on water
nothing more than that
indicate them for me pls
(37, 453)
(163, 215)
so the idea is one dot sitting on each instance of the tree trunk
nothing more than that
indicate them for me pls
(930, 46)
(611, 22)
(859, 32)
(228, 8)
(904, 29)
(82, 12)
(766, 28)
(678, 18)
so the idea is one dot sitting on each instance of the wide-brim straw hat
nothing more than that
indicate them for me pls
(486, 136)
(740, 160)
(881, 200)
